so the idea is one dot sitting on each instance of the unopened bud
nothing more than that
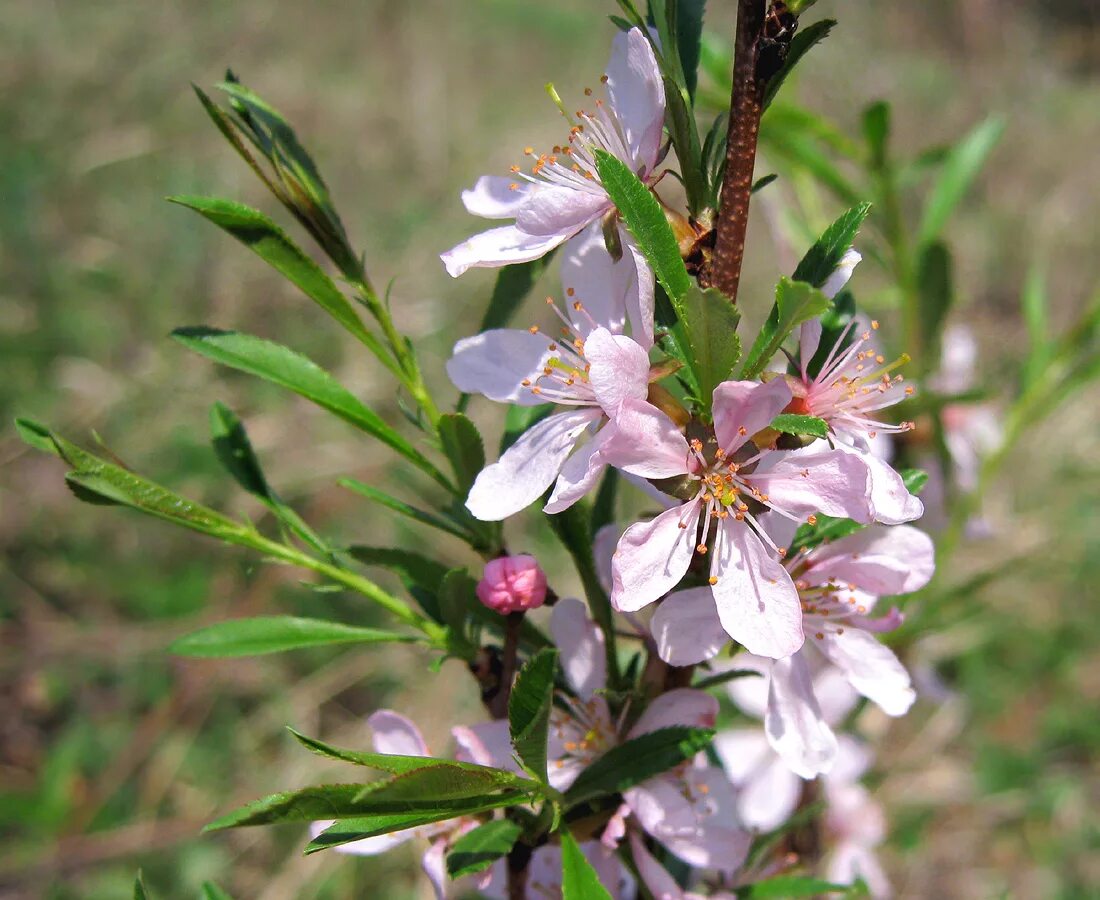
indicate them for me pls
(512, 584)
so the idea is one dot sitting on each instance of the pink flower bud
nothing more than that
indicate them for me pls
(512, 584)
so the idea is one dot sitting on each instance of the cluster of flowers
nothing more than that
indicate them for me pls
(732, 495)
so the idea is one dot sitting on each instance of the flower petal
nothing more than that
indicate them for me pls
(794, 723)
(879, 560)
(654, 876)
(619, 369)
(681, 706)
(591, 277)
(756, 600)
(393, 733)
(635, 89)
(809, 339)
(555, 209)
(497, 197)
(872, 669)
(502, 247)
(768, 792)
(582, 647)
(834, 284)
(495, 363)
(485, 744)
(815, 480)
(749, 693)
(742, 408)
(890, 498)
(371, 846)
(652, 557)
(528, 467)
(687, 629)
(579, 474)
(640, 302)
(647, 442)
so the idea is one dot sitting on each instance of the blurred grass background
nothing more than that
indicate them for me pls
(113, 754)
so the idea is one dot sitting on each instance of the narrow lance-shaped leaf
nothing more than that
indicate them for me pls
(790, 886)
(790, 423)
(825, 255)
(400, 506)
(420, 575)
(211, 891)
(579, 880)
(647, 223)
(710, 323)
(802, 43)
(476, 850)
(463, 446)
(276, 634)
(935, 286)
(529, 711)
(636, 761)
(287, 368)
(457, 600)
(795, 302)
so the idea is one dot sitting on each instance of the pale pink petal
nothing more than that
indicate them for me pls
(544, 871)
(485, 744)
(794, 723)
(756, 600)
(850, 861)
(371, 846)
(579, 474)
(434, 865)
(619, 369)
(891, 501)
(497, 197)
(853, 759)
(528, 467)
(641, 300)
(779, 528)
(635, 89)
(852, 814)
(835, 694)
(694, 814)
(809, 339)
(652, 557)
(581, 644)
(813, 480)
(495, 363)
(872, 669)
(749, 692)
(553, 210)
(590, 276)
(879, 560)
(687, 629)
(647, 442)
(681, 706)
(768, 792)
(742, 408)
(840, 276)
(395, 734)
(501, 246)
(654, 876)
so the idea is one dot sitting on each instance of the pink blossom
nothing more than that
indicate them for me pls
(731, 483)
(512, 584)
(562, 193)
(689, 809)
(838, 585)
(590, 371)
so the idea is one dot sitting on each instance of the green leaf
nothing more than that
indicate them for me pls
(785, 886)
(529, 711)
(961, 167)
(297, 373)
(400, 506)
(935, 286)
(1034, 303)
(876, 132)
(636, 761)
(139, 888)
(914, 479)
(211, 891)
(512, 286)
(420, 575)
(579, 880)
(276, 634)
(396, 764)
(825, 255)
(457, 601)
(710, 325)
(35, 435)
(790, 423)
(647, 223)
(268, 241)
(803, 150)
(795, 302)
(478, 849)
(689, 37)
(234, 451)
(462, 445)
(804, 41)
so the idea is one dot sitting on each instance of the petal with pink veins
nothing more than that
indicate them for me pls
(502, 246)
(652, 557)
(590, 276)
(636, 92)
(640, 301)
(687, 629)
(872, 668)
(749, 692)
(581, 644)
(496, 363)
(756, 600)
(372, 846)
(891, 502)
(553, 210)
(485, 744)
(580, 473)
(681, 706)
(496, 197)
(619, 369)
(794, 723)
(814, 480)
(742, 408)
(809, 339)
(529, 466)
(768, 792)
(879, 560)
(395, 734)
(647, 442)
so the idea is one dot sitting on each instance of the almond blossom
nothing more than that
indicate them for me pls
(561, 192)
(486, 744)
(728, 482)
(838, 586)
(589, 368)
(689, 809)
